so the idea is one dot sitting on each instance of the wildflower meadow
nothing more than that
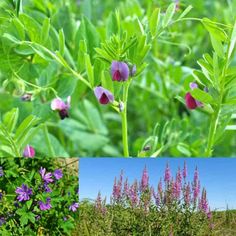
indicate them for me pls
(177, 204)
(128, 78)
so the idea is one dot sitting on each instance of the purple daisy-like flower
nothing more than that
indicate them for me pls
(1, 171)
(29, 151)
(46, 177)
(119, 71)
(45, 206)
(62, 107)
(58, 174)
(103, 95)
(74, 206)
(24, 193)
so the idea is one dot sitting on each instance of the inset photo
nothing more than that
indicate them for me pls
(38, 196)
(190, 197)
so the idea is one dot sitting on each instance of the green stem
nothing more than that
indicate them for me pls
(212, 132)
(124, 121)
(50, 147)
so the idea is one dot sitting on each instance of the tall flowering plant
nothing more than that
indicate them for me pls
(37, 197)
(176, 205)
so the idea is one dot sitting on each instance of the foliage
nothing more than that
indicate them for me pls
(57, 50)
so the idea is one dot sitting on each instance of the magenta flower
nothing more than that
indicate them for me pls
(103, 95)
(58, 174)
(45, 206)
(133, 194)
(144, 181)
(23, 193)
(187, 196)
(119, 71)
(117, 188)
(203, 203)
(74, 206)
(46, 177)
(29, 151)
(196, 186)
(191, 102)
(62, 107)
(126, 188)
(167, 173)
(185, 171)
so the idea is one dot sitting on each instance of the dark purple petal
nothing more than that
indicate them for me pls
(190, 102)
(103, 95)
(119, 71)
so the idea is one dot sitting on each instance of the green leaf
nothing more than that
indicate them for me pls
(89, 69)
(24, 128)
(154, 21)
(61, 42)
(45, 31)
(10, 119)
(112, 25)
(107, 81)
(169, 14)
(19, 8)
(217, 45)
(185, 12)
(202, 96)
(232, 41)
(216, 32)
(19, 27)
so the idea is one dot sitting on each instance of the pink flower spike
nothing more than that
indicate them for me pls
(29, 151)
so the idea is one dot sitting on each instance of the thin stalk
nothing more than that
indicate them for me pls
(216, 115)
(212, 132)
(124, 121)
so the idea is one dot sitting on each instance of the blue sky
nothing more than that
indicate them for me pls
(217, 175)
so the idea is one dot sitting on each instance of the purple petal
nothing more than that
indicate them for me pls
(103, 95)
(193, 85)
(29, 151)
(58, 104)
(119, 71)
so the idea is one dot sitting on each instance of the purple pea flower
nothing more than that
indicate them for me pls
(1, 171)
(119, 71)
(191, 102)
(62, 107)
(29, 151)
(45, 206)
(74, 206)
(58, 174)
(46, 177)
(103, 95)
(23, 193)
